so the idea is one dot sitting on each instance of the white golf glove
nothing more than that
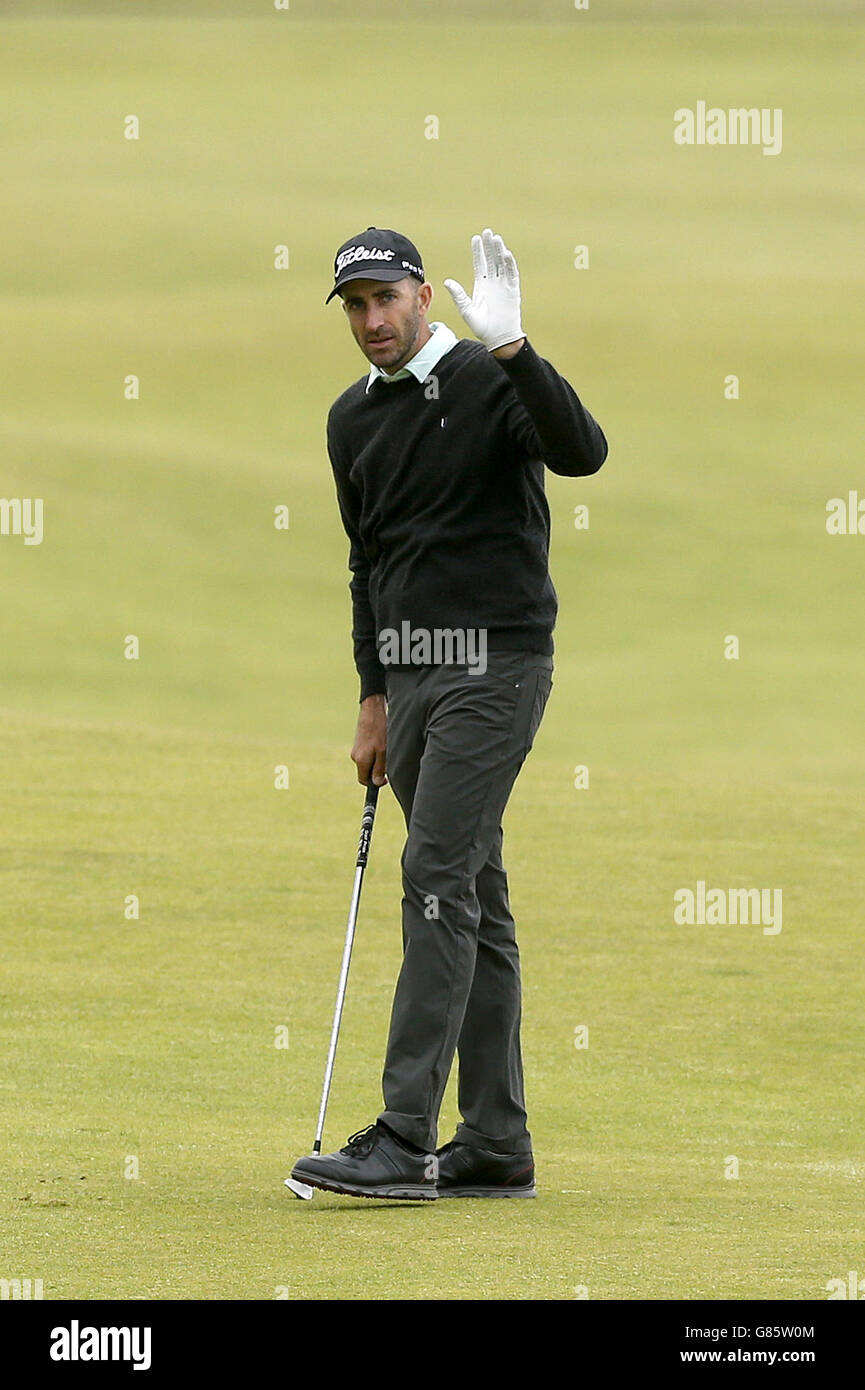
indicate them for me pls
(493, 312)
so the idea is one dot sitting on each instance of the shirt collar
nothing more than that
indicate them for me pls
(440, 341)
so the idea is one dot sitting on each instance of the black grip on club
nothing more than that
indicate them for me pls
(366, 825)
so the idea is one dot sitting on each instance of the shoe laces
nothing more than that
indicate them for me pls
(363, 1141)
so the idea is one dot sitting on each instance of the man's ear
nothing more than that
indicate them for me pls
(425, 294)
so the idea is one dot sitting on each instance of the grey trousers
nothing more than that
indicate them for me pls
(456, 742)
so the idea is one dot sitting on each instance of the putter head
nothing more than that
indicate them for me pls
(299, 1189)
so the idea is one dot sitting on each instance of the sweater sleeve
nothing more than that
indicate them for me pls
(547, 420)
(369, 668)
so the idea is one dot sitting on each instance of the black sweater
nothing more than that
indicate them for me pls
(443, 499)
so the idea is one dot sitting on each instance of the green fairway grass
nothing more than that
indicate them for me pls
(147, 1115)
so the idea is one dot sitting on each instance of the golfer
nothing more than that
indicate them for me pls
(438, 455)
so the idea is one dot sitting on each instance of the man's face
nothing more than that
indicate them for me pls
(387, 318)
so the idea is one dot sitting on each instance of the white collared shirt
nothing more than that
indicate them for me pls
(440, 341)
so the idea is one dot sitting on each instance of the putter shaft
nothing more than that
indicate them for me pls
(362, 856)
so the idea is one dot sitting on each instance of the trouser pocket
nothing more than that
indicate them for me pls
(542, 683)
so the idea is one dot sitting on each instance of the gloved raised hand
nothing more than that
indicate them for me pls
(493, 311)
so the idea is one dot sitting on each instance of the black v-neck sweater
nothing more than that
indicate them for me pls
(441, 491)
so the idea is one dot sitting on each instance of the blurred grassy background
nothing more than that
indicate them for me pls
(532, 12)
(155, 777)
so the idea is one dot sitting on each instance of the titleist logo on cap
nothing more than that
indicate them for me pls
(361, 253)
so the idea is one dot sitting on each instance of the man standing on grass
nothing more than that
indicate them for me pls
(438, 456)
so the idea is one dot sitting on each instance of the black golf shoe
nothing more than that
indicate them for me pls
(374, 1163)
(464, 1171)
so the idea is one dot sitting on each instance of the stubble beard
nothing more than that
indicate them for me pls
(402, 349)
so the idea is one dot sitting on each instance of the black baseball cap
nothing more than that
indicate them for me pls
(376, 254)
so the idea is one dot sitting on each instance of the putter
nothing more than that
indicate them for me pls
(301, 1189)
